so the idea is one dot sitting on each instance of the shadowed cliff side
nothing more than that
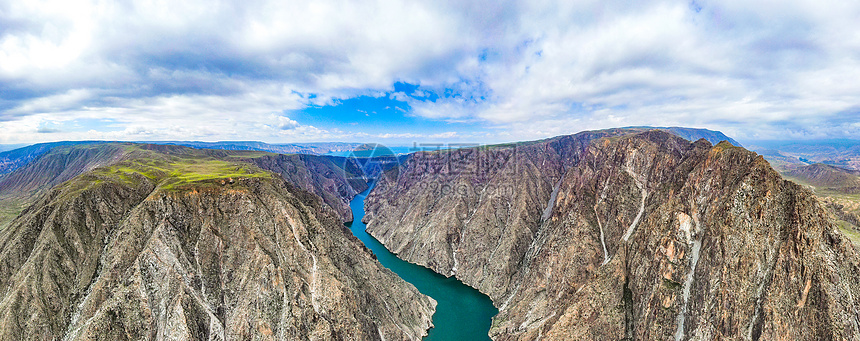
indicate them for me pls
(614, 235)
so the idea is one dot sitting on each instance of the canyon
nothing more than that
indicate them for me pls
(625, 234)
(629, 234)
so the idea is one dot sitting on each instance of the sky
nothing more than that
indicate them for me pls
(399, 72)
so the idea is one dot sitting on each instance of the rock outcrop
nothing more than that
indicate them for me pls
(184, 246)
(625, 235)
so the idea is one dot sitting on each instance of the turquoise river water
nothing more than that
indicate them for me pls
(462, 313)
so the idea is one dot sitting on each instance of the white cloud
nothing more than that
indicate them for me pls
(736, 66)
(527, 69)
(285, 123)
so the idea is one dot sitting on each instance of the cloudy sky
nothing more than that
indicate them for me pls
(401, 71)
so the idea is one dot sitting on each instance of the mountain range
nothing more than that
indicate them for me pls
(621, 234)
(633, 233)
(17, 157)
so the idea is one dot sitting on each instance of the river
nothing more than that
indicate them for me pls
(462, 313)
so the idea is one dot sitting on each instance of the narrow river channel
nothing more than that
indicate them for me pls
(462, 313)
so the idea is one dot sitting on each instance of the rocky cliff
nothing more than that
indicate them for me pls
(625, 234)
(168, 245)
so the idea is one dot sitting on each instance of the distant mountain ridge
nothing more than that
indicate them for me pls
(13, 159)
(314, 148)
(828, 177)
(5, 147)
(844, 153)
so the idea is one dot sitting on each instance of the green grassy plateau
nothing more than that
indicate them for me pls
(179, 170)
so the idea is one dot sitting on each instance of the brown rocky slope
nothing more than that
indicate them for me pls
(625, 235)
(194, 248)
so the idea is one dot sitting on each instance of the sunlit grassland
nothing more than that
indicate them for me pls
(167, 167)
(173, 171)
(849, 232)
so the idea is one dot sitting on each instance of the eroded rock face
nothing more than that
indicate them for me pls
(490, 200)
(256, 259)
(626, 236)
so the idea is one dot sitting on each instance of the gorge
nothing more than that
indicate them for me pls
(462, 313)
(625, 234)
